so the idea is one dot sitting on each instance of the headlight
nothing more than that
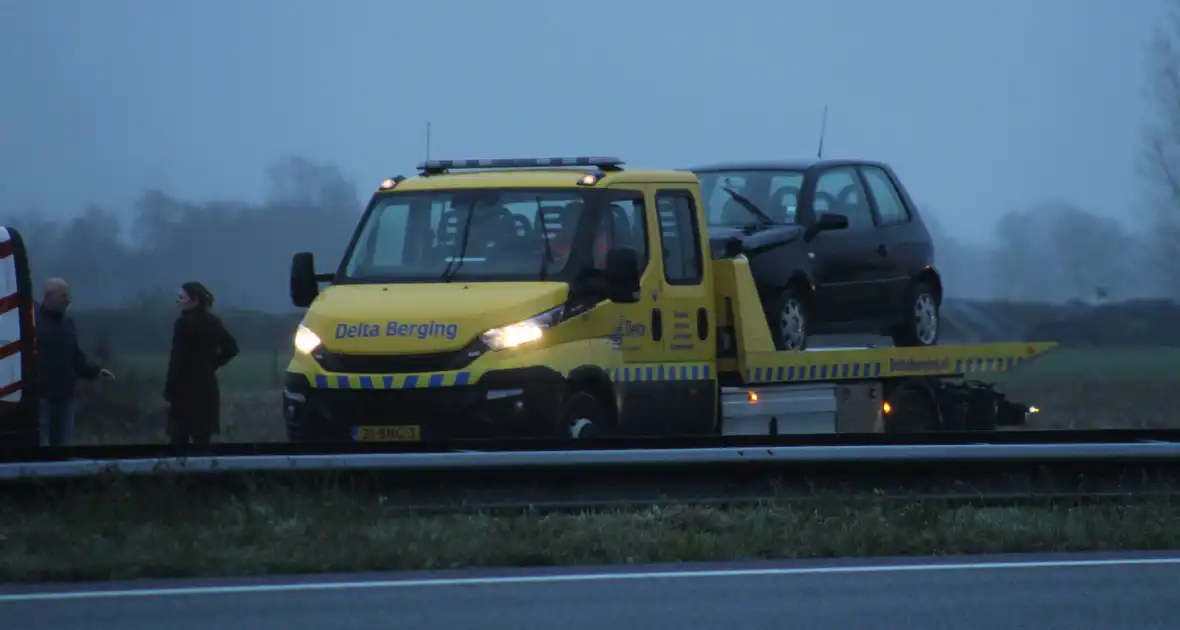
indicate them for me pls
(521, 333)
(305, 340)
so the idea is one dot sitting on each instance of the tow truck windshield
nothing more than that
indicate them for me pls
(465, 236)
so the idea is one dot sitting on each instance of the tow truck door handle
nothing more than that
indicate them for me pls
(702, 323)
(657, 325)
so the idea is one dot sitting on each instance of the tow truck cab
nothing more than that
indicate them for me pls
(566, 297)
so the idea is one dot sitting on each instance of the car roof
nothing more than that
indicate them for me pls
(800, 164)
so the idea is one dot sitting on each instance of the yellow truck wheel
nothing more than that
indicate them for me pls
(584, 416)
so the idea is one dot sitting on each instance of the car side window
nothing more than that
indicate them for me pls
(678, 237)
(890, 208)
(839, 190)
(624, 224)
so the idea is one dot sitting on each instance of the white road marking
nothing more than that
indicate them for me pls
(577, 577)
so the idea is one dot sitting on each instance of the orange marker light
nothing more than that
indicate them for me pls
(752, 396)
(887, 408)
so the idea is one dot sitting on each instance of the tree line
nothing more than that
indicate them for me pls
(1053, 251)
(135, 257)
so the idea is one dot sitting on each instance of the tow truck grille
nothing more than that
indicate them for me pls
(399, 363)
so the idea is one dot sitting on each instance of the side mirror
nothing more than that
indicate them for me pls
(832, 221)
(304, 284)
(622, 275)
(827, 221)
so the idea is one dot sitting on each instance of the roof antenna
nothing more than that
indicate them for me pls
(823, 128)
(428, 141)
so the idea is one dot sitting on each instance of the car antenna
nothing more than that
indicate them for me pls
(823, 128)
(428, 141)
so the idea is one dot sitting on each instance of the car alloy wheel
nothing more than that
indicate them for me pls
(926, 319)
(793, 325)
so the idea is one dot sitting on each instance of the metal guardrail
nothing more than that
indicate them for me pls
(868, 454)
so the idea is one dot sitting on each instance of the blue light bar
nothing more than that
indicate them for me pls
(440, 166)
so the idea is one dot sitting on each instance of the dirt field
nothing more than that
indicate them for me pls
(132, 410)
(1074, 388)
(1100, 389)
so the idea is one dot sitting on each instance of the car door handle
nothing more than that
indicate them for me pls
(882, 250)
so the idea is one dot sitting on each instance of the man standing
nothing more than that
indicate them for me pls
(62, 363)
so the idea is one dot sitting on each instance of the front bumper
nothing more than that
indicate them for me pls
(521, 402)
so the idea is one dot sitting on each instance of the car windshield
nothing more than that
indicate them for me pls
(465, 235)
(774, 193)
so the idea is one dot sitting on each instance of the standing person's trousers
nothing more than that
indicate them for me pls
(57, 422)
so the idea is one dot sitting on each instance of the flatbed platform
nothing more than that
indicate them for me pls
(844, 364)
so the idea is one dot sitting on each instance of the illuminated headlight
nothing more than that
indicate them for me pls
(520, 333)
(305, 340)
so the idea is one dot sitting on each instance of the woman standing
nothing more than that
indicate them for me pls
(200, 346)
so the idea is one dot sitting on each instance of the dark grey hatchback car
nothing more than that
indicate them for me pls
(835, 246)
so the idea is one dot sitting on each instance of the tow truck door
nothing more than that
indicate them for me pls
(684, 311)
(626, 218)
(18, 398)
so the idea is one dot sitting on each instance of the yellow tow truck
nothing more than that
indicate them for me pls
(568, 297)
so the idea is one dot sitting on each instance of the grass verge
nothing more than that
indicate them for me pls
(117, 534)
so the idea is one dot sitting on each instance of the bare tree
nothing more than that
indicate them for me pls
(962, 264)
(1021, 265)
(1094, 252)
(240, 250)
(1055, 251)
(1162, 154)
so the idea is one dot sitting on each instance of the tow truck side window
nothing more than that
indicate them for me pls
(678, 235)
(624, 224)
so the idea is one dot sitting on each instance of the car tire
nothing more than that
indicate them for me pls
(787, 316)
(583, 416)
(923, 323)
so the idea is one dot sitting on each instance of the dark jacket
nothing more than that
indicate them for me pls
(200, 346)
(60, 359)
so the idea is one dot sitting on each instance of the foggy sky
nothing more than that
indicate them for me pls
(981, 107)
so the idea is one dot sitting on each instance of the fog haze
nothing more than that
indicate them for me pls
(292, 111)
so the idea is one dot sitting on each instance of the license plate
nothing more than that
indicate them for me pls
(405, 433)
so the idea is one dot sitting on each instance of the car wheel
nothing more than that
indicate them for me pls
(583, 416)
(788, 320)
(922, 321)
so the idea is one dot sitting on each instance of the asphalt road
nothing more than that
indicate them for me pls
(1040, 593)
